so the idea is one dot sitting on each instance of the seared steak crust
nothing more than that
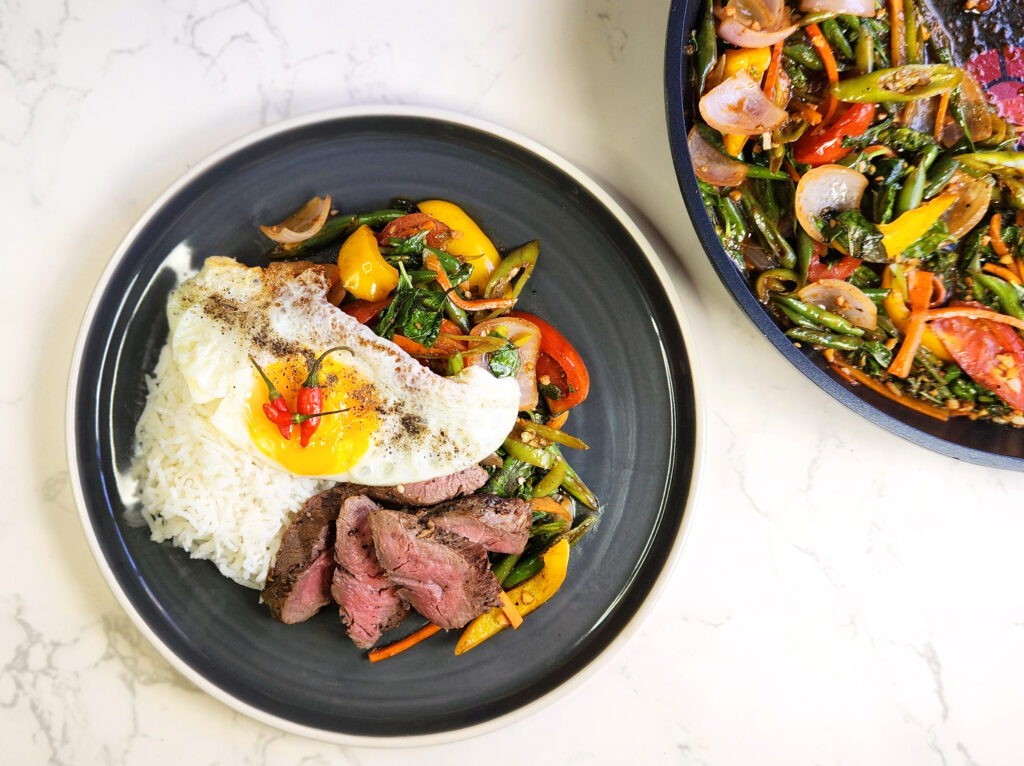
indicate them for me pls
(432, 491)
(299, 581)
(500, 524)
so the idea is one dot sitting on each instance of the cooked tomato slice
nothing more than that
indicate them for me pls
(412, 224)
(817, 270)
(990, 352)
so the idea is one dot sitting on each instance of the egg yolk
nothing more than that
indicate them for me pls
(339, 441)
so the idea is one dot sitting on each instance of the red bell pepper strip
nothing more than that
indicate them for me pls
(824, 145)
(842, 269)
(561, 350)
(364, 311)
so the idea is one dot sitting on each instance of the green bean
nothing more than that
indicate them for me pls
(1005, 293)
(816, 17)
(523, 571)
(805, 55)
(876, 294)
(575, 486)
(834, 35)
(774, 281)
(826, 339)
(910, 32)
(804, 253)
(527, 454)
(799, 321)
(756, 171)
(912, 193)
(939, 175)
(706, 45)
(865, 54)
(1010, 163)
(552, 480)
(778, 244)
(906, 83)
(333, 230)
(504, 567)
(821, 316)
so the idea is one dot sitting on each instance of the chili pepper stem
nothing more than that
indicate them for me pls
(299, 418)
(312, 379)
(272, 390)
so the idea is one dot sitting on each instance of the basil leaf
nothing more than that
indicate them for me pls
(550, 391)
(504, 363)
(856, 235)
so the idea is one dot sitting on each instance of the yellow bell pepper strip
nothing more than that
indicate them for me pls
(896, 308)
(755, 61)
(472, 244)
(912, 225)
(362, 269)
(526, 597)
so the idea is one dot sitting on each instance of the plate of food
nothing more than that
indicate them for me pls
(852, 170)
(382, 425)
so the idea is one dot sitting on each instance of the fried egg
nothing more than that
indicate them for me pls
(401, 422)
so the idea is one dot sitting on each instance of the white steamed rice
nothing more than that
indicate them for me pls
(201, 493)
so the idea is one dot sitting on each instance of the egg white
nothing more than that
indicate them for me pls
(426, 425)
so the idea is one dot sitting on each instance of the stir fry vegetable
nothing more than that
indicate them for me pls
(427, 278)
(872, 196)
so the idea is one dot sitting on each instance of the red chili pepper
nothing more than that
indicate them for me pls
(310, 400)
(824, 144)
(277, 411)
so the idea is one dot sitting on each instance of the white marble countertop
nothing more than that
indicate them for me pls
(844, 597)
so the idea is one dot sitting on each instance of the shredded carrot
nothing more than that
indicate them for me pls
(511, 613)
(897, 33)
(479, 304)
(771, 77)
(788, 167)
(547, 505)
(808, 112)
(995, 231)
(919, 284)
(376, 655)
(1019, 219)
(1001, 271)
(1019, 265)
(855, 375)
(940, 114)
(973, 313)
(559, 420)
(829, 59)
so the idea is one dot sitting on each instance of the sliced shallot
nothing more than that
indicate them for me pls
(825, 189)
(710, 165)
(740, 107)
(302, 224)
(863, 8)
(844, 299)
(754, 23)
(733, 31)
(973, 196)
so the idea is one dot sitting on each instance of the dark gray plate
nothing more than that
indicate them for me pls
(975, 441)
(597, 280)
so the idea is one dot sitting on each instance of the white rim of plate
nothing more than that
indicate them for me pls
(451, 735)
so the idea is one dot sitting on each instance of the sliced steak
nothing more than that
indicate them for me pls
(444, 576)
(299, 582)
(368, 602)
(500, 524)
(432, 491)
